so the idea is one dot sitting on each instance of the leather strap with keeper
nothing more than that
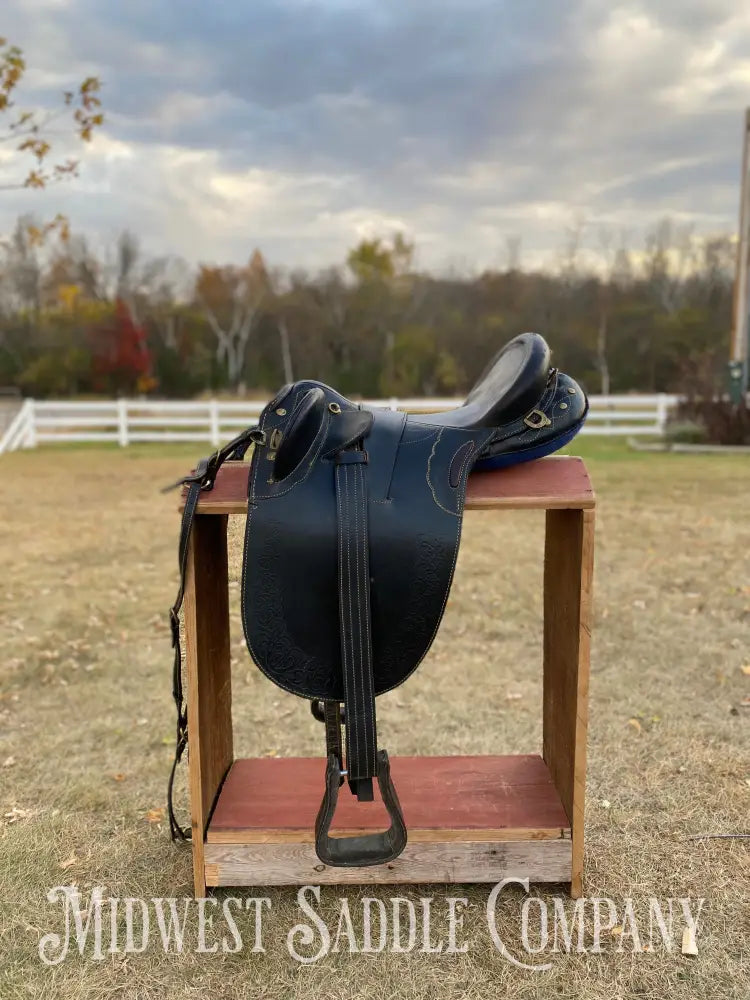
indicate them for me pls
(203, 478)
(363, 759)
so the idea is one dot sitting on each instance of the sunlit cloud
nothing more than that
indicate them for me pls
(303, 127)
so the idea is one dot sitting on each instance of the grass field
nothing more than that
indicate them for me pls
(86, 728)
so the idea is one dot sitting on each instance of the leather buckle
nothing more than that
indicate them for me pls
(174, 622)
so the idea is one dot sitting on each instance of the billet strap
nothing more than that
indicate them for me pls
(201, 479)
(354, 619)
(332, 719)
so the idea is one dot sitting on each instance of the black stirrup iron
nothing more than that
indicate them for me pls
(353, 526)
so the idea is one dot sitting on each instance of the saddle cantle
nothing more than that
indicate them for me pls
(353, 526)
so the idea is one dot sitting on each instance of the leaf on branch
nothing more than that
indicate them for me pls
(38, 147)
(69, 167)
(23, 119)
(86, 116)
(59, 224)
(34, 180)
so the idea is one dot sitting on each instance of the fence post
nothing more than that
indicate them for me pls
(122, 423)
(30, 438)
(214, 417)
(661, 412)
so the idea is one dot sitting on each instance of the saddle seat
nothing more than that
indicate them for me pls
(508, 388)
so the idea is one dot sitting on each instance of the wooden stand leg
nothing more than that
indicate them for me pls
(209, 688)
(568, 567)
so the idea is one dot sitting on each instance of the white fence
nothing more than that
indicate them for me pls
(130, 421)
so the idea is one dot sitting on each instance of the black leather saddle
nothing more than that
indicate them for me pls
(353, 527)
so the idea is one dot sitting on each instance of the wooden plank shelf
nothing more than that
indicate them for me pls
(548, 484)
(479, 817)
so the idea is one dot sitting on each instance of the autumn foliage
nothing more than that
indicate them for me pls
(121, 360)
(30, 132)
(74, 321)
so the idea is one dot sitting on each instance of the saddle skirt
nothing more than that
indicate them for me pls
(407, 494)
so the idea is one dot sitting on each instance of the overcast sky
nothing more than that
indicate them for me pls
(301, 126)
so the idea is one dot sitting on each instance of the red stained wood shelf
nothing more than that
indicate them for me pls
(548, 483)
(487, 798)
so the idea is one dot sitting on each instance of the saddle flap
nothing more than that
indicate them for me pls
(408, 495)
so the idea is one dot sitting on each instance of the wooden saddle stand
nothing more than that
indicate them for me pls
(470, 819)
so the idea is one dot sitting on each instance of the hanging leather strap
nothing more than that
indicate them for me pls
(203, 478)
(363, 759)
(354, 618)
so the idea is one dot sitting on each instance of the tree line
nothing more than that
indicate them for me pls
(75, 322)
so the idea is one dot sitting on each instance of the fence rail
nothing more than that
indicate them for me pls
(131, 421)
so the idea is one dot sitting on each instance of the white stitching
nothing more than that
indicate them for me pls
(349, 681)
(429, 481)
(323, 434)
(357, 668)
(254, 467)
(358, 535)
(342, 605)
(368, 617)
(479, 445)
(351, 539)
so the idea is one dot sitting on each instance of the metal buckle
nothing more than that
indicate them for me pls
(540, 420)
(174, 623)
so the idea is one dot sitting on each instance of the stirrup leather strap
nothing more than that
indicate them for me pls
(201, 479)
(363, 760)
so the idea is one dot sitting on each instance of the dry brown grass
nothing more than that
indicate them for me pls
(88, 553)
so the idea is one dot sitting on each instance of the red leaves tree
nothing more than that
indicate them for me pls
(121, 359)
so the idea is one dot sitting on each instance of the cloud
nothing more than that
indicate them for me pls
(301, 125)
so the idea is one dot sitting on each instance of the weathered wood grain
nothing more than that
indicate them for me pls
(208, 676)
(568, 571)
(297, 864)
(555, 482)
